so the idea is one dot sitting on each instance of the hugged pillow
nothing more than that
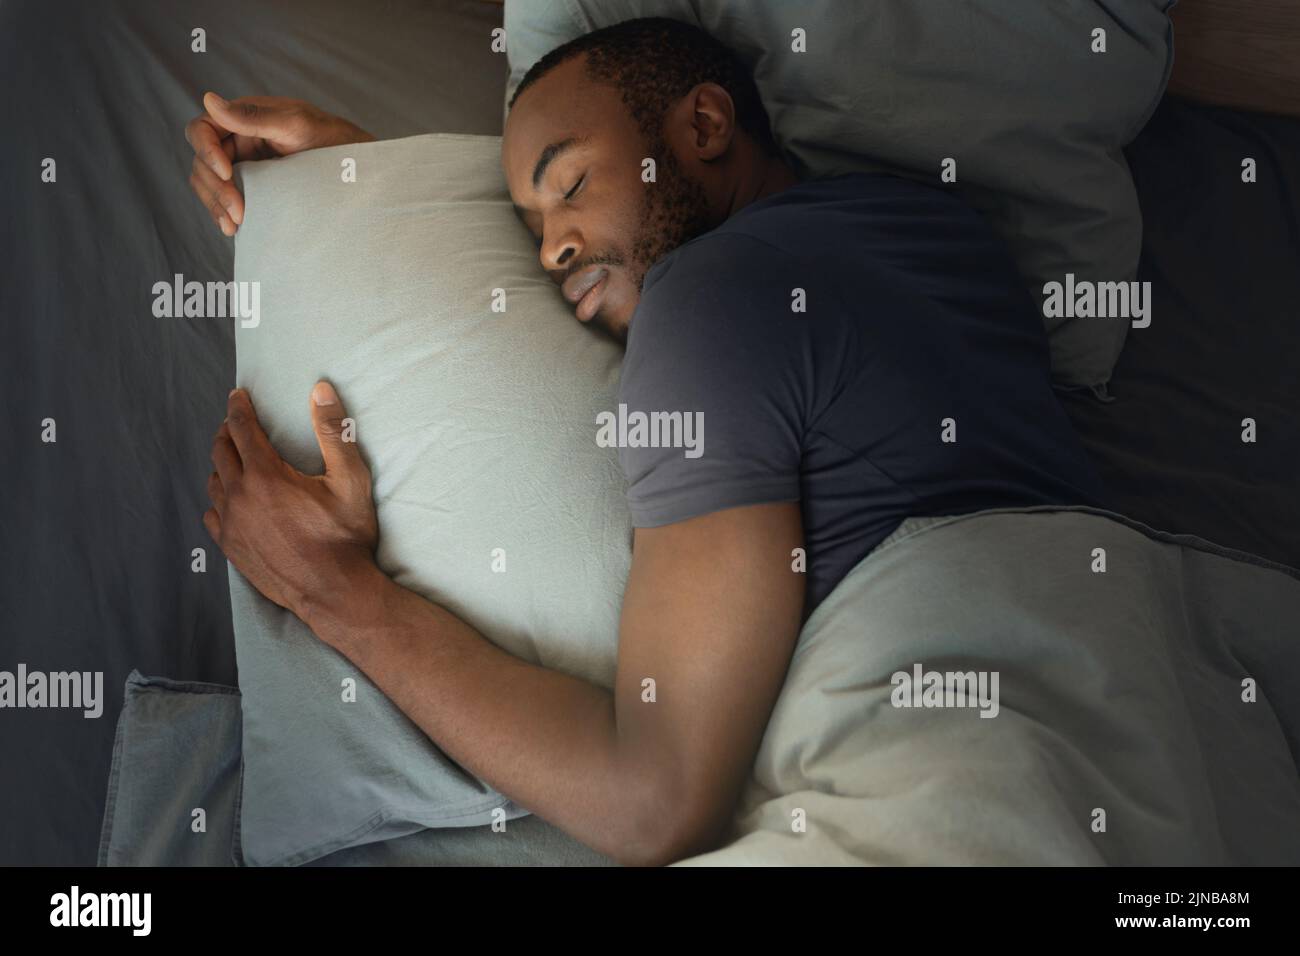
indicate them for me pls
(1034, 119)
(478, 424)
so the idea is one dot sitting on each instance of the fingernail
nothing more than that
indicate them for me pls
(232, 393)
(323, 394)
(220, 102)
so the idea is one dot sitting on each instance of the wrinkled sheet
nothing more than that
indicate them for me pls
(1223, 260)
(97, 530)
(177, 751)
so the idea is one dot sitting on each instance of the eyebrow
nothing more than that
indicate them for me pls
(549, 154)
(552, 152)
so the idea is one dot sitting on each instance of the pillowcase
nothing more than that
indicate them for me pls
(479, 427)
(1034, 119)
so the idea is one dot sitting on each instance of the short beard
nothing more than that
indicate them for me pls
(674, 210)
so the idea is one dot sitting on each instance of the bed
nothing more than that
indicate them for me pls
(98, 532)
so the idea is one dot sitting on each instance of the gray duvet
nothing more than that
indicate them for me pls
(979, 690)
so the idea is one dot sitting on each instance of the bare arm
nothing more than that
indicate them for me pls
(1243, 54)
(710, 614)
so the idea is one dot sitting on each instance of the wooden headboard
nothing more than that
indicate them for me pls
(1239, 53)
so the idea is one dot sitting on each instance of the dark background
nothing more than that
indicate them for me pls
(96, 530)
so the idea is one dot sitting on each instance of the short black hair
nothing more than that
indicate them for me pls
(654, 62)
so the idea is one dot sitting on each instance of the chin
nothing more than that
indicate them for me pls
(614, 329)
(615, 315)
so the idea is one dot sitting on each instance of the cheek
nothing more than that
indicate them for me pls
(621, 232)
(626, 205)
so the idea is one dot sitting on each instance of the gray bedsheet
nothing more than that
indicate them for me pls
(96, 530)
(1223, 260)
(177, 751)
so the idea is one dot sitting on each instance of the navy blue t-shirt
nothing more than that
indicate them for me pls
(862, 344)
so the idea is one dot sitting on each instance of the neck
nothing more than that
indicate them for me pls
(770, 176)
(777, 175)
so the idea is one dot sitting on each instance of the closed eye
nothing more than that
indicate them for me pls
(576, 187)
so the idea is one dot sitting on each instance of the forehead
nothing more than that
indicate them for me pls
(562, 108)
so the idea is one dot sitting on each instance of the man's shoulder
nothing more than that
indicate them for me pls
(715, 310)
(794, 230)
(718, 257)
(712, 291)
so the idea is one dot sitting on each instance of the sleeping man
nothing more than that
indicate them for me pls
(859, 348)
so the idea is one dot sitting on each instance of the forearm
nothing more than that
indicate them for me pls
(548, 741)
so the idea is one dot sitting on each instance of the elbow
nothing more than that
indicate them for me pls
(671, 827)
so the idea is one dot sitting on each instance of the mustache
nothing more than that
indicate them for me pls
(605, 259)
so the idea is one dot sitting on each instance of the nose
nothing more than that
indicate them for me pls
(559, 253)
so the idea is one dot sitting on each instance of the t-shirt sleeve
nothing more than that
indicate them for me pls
(718, 359)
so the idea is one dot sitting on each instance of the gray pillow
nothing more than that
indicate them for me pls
(1013, 92)
(479, 427)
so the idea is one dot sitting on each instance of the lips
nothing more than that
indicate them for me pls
(579, 284)
(590, 303)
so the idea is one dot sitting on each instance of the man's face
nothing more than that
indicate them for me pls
(599, 226)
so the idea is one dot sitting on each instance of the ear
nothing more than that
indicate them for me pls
(712, 116)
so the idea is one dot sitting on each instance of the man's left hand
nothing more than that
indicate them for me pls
(290, 534)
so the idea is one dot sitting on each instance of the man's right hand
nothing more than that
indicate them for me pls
(253, 127)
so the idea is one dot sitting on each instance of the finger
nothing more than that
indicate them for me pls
(336, 435)
(212, 521)
(225, 457)
(248, 118)
(205, 195)
(221, 198)
(246, 431)
(216, 492)
(209, 144)
(225, 194)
